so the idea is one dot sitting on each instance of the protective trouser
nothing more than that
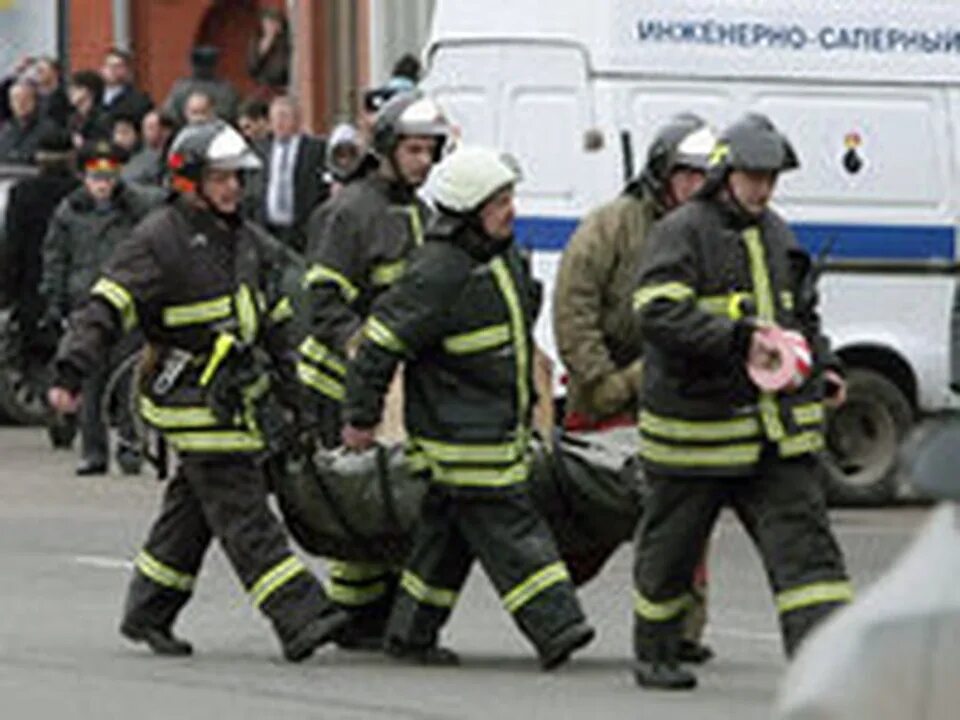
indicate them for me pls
(784, 512)
(223, 497)
(503, 531)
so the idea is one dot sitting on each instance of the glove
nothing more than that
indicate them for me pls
(616, 392)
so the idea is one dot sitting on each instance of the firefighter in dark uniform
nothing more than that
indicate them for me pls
(357, 247)
(194, 278)
(460, 319)
(715, 273)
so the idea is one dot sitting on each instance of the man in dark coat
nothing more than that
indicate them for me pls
(121, 98)
(203, 61)
(21, 135)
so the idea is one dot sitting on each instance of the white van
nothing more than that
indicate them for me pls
(869, 93)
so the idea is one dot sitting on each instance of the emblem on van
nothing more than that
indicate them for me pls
(852, 160)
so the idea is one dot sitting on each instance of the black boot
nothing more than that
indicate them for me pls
(89, 467)
(161, 640)
(559, 649)
(434, 655)
(658, 666)
(314, 635)
(694, 653)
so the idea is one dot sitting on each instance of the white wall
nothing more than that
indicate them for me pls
(27, 27)
(396, 27)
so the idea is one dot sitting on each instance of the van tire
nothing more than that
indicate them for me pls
(863, 438)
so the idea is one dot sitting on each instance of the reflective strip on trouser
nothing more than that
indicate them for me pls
(356, 583)
(658, 612)
(163, 574)
(321, 273)
(119, 298)
(817, 593)
(275, 578)
(540, 581)
(472, 476)
(205, 311)
(674, 291)
(766, 312)
(425, 594)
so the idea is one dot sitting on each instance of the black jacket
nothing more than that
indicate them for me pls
(709, 274)
(129, 102)
(81, 237)
(461, 319)
(310, 188)
(30, 206)
(19, 140)
(207, 296)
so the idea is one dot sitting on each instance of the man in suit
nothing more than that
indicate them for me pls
(293, 182)
(120, 97)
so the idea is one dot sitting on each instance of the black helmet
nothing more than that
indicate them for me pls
(213, 145)
(409, 113)
(685, 141)
(753, 143)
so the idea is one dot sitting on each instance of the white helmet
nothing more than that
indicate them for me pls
(469, 176)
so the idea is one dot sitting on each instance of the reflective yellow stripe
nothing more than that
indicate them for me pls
(350, 571)
(730, 305)
(719, 153)
(275, 578)
(282, 311)
(818, 593)
(786, 299)
(416, 227)
(247, 314)
(163, 574)
(321, 382)
(221, 348)
(675, 429)
(176, 417)
(481, 477)
(322, 355)
(478, 341)
(252, 393)
(383, 336)
(501, 274)
(215, 441)
(120, 298)
(811, 414)
(808, 442)
(693, 455)
(199, 312)
(534, 585)
(423, 593)
(763, 293)
(667, 291)
(356, 596)
(321, 273)
(660, 611)
(387, 273)
(467, 454)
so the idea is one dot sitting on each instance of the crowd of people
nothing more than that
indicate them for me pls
(181, 232)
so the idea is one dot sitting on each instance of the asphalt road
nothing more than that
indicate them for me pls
(65, 546)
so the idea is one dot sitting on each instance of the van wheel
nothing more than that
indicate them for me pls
(863, 438)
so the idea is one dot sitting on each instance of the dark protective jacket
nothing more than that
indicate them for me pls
(358, 245)
(460, 319)
(593, 317)
(207, 295)
(80, 238)
(708, 275)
